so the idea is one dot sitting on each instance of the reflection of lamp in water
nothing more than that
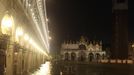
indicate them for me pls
(6, 24)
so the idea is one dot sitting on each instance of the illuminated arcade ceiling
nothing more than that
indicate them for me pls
(36, 9)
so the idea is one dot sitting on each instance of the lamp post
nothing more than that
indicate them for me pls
(6, 29)
(18, 39)
(18, 52)
(6, 24)
(26, 54)
(18, 34)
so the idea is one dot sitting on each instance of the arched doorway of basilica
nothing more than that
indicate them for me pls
(90, 57)
(82, 56)
(98, 56)
(73, 56)
(66, 56)
(103, 56)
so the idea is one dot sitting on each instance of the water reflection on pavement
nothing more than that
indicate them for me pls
(45, 69)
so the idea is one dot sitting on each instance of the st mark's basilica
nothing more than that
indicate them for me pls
(82, 50)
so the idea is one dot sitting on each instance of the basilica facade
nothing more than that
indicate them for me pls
(82, 50)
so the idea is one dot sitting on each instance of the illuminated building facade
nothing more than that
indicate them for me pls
(82, 51)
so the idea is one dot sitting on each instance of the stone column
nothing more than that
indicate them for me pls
(9, 58)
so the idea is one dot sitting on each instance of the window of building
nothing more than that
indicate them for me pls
(103, 56)
(91, 57)
(120, 1)
(73, 56)
(66, 56)
(97, 56)
(82, 56)
(82, 47)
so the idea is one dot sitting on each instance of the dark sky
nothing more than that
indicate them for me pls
(69, 19)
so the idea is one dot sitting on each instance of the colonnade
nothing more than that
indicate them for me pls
(18, 60)
(20, 48)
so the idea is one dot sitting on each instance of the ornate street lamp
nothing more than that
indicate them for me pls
(6, 24)
(6, 29)
(26, 41)
(26, 37)
(18, 34)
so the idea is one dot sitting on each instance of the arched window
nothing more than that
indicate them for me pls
(91, 57)
(73, 56)
(82, 47)
(66, 56)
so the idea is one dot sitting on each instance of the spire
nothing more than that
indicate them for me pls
(94, 42)
(90, 42)
(100, 42)
(82, 39)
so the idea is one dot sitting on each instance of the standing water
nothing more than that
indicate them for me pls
(45, 69)
(65, 68)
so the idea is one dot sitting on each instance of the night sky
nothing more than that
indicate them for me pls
(69, 19)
